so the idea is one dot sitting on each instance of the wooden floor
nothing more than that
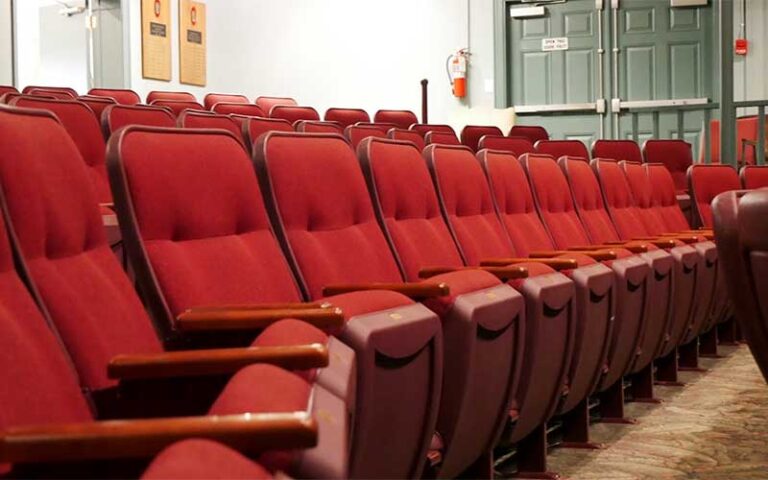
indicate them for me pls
(716, 427)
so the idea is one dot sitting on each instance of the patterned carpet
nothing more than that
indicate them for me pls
(714, 428)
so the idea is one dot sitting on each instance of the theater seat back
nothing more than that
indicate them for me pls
(408, 136)
(563, 148)
(121, 96)
(588, 200)
(30, 89)
(407, 206)
(401, 118)
(664, 197)
(706, 182)
(173, 96)
(346, 116)
(441, 138)
(357, 133)
(177, 106)
(255, 127)
(514, 145)
(56, 220)
(266, 103)
(293, 113)
(471, 134)
(467, 204)
(201, 119)
(642, 194)
(313, 126)
(754, 176)
(534, 133)
(618, 198)
(514, 202)
(674, 154)
(424, 128)
(322, 212)
(195, 220)
(96, 104)
(212, 99)
(118, 116)
(617, 150)
(230, 108)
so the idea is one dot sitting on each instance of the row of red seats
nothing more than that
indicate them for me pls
(537, 402)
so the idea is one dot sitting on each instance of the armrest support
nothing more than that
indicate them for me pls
(251, 319)
(409, 289)
(249, 433)
(555, 263)
(218, 361)
(504, 272)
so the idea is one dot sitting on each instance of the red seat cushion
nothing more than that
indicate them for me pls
(203, 459)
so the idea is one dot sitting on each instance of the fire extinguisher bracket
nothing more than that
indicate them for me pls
(456, 67)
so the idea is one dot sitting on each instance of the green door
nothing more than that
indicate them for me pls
(610, 58)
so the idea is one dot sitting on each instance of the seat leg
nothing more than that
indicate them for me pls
(576, 428)
(612, 405)
(708, 344)
(689, 357)
(532, 456)
(666, 370)
(728, 332)
(642, 386)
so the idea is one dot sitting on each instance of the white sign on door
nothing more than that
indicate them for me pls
(556, 43)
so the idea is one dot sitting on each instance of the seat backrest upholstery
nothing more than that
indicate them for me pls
(534, 133)
(407, 206)
(618, 199)
(52, 207)
(588, 200)
(82, 126)
(674, 154)
(401, 118)
(266, 103)
(746, 131)
(383, 126)
(441, 138)
(664, 197)
(40, 385)
(227, 108)
(31, 88)
(357, 133)
(514, 202)
(195, 221)
(7, 89)
(200, 119)
(553, 200)
(407, 135)
(754, 176)
(706, 182)
(471, 134)
(642, 193)
(255, 127)
(322, 212)
(97, 104)
(465, 198)
(58, 93)
(212, 99)
(119, 95)
(316, 126)
(175, 96)
(119, 116)
(425, 128)
(515, 145)
(346, 116)
(294, 113)
(617, 150)
(562, 148)
(177, 106)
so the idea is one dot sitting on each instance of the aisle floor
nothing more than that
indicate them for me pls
(714, 428)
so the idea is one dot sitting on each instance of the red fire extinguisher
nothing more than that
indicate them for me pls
(456, 65)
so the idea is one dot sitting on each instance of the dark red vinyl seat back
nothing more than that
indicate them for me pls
(201, 119)
(266, 103)
(119, 95)
(212, 99)
(401, 118)
(441, 138)
(347, 116)
(588, 200)
(247, 109)
(407, 135)
(177, 106)
(754, 176)
(357, 133)
(617, 150)
(534, 133)
(676, 155)
(706, 182)
(119, 116)
(515, 145)
(471, 134)
(174, 96)
(665, 198)
(563, 148)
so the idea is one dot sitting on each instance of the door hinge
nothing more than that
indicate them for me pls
(600, 105)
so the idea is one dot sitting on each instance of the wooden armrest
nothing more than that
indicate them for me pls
(107, 205)
(555, 263)
(633, 247)
(262, 306)
(504, 272)
(682, 237)
(248, 433)
(409, 289)
(549, 254)
(190, 363)
(250, 319)
(601, 255)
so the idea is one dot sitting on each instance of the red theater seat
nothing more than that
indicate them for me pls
(202, 119)
(514, 145)
(176, 106)
(347, 116)
(175, 96)
(7, 89)
(754, 176)
(294, 113)
(384, 127)
(312, 126)
(121, 96)
(212, 99)
(441, 138)
(425, 128)
(97, 104)
(266, 103)
(407, 135)
(742, 243)
(562, 148)
(533, 133)
(51, 92)
(401, 118)
(118, 116)
(746, 141)
(674, 154)
(706, 182)
(357, 133)
(617, 150)
(471, 135)
(247, 109)
(41, 90)
(254, 127)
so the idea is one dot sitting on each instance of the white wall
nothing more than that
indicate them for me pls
(6, 43)
(751, 70)
(343, 53)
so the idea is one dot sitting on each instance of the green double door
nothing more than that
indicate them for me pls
(580, 67)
